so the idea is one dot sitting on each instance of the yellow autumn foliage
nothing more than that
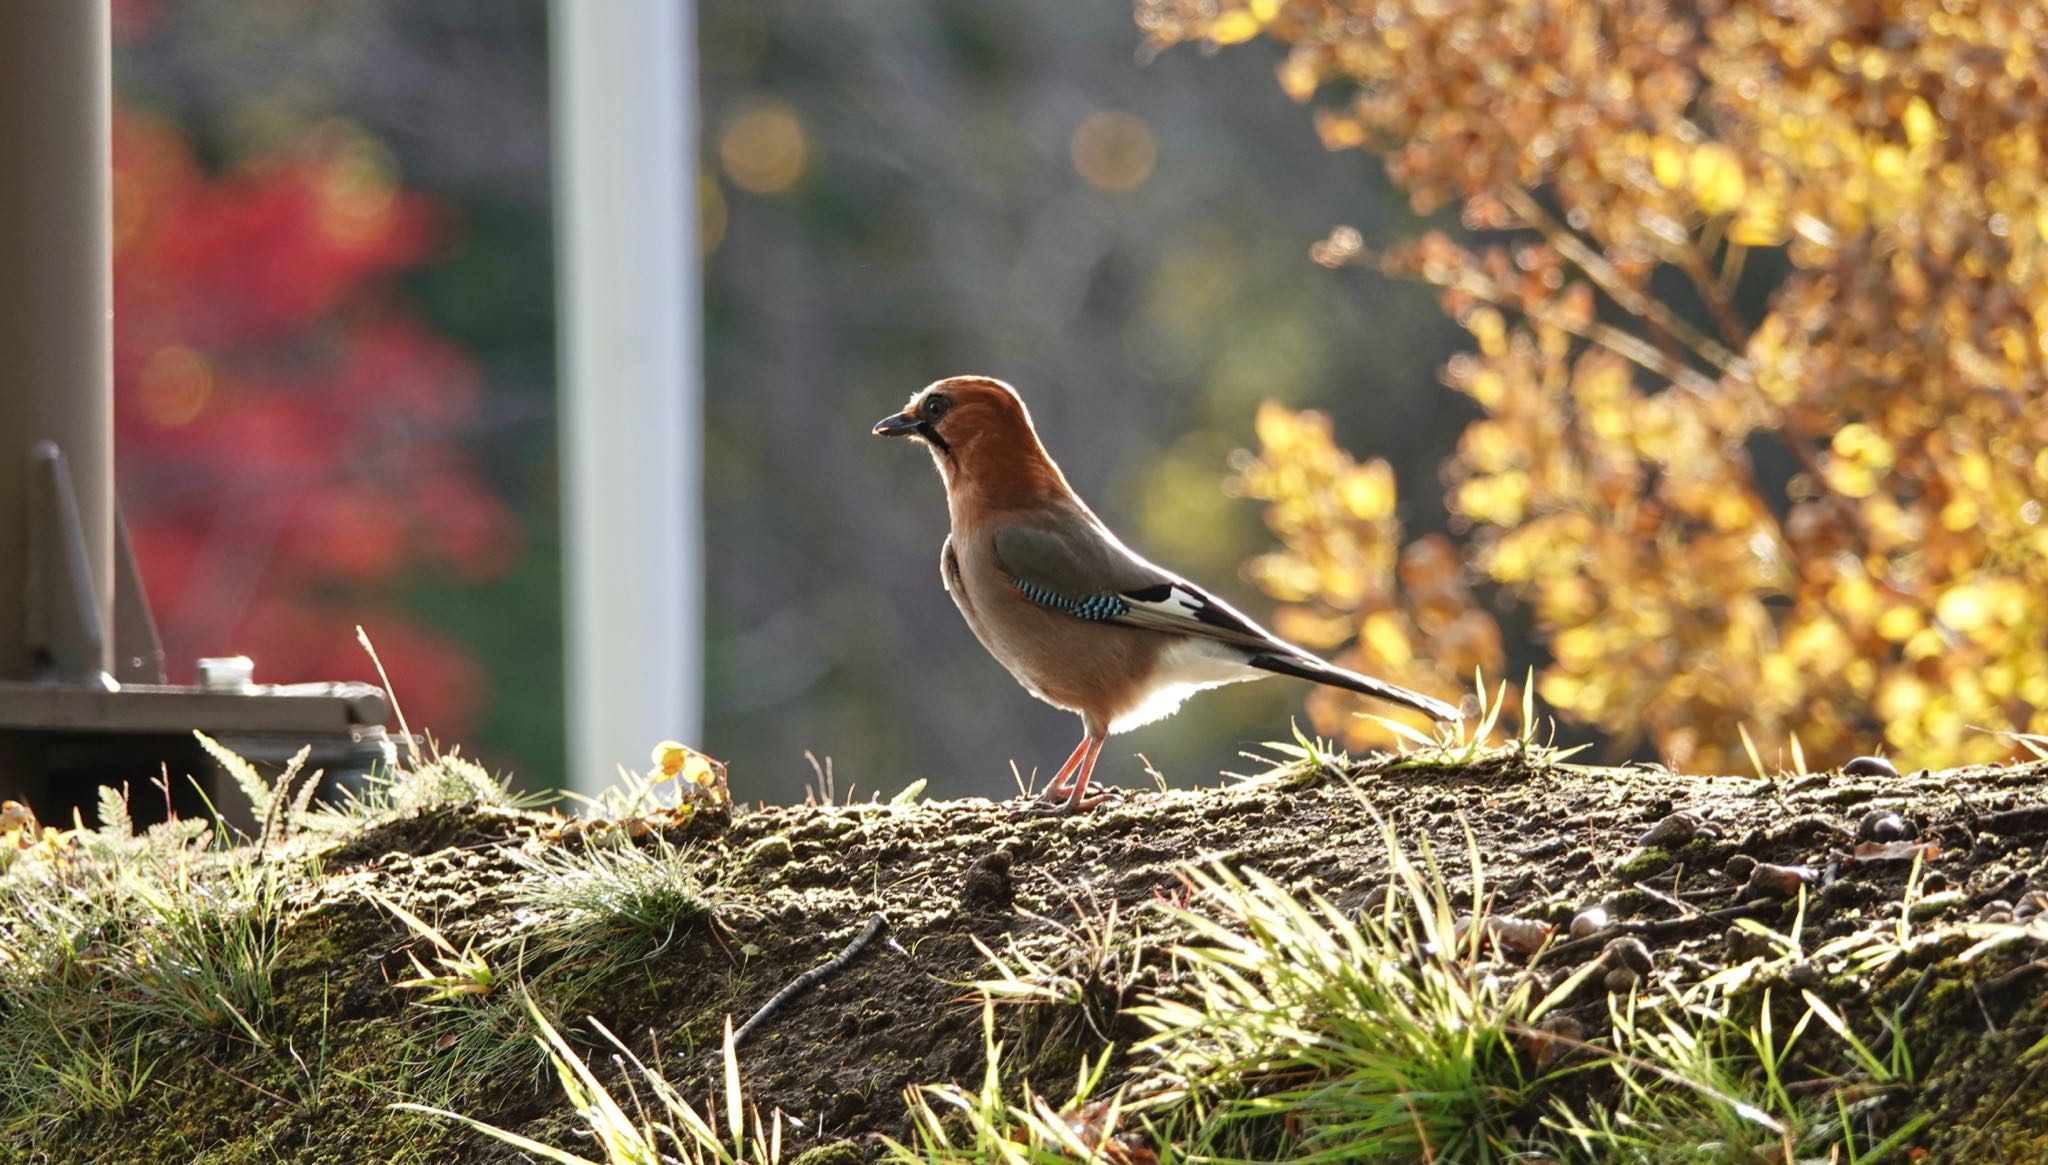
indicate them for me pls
(1892, 592)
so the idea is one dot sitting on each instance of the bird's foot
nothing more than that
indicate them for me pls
(1066, 805)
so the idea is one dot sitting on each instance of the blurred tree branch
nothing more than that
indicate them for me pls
(1889, 155)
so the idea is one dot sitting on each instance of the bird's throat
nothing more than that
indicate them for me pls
(930, 433)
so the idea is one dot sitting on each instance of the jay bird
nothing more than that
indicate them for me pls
(1081, 621)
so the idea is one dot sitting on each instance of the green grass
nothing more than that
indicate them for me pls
(604, 903)
(1699, 1084)
(432, 782)
(1295, 1031)
(107, 966)
(1304, 1034)
(653, 1124)
(606, 889)
(952, 1125)
(119, 946)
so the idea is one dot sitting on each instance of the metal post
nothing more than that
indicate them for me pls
(626, 225)
(65, 570)
(56, 301)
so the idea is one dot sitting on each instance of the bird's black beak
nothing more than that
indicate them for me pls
(908, 425)
(898, 425)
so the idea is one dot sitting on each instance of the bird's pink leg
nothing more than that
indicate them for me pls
(1059, 787)
(1078, 800)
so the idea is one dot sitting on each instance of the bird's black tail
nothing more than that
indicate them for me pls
(1317, 671)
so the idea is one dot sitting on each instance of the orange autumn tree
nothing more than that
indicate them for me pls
(1615, 166)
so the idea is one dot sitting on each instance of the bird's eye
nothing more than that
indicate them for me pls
(935, 406)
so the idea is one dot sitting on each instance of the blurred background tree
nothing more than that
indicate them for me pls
(333, 350)
(1759, 296)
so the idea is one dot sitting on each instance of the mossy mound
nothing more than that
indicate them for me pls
(364, 1010)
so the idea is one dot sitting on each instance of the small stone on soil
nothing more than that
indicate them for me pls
(1773, 881)
(1739, 867)
(986, 885)
(1555, 1036)
(1630, 952)
(1839, 894)
(1744, 945)
(1936, 904)
(768, 853)
(1672, 831)
(1881, 825)
(1591, 920)
(1620, 979)
(1869, 766)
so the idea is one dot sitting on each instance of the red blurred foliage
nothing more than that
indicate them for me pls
(289, 437)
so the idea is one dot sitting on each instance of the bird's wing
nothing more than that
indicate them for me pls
(1079, 569)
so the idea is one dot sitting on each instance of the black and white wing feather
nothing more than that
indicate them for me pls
(1079, 569)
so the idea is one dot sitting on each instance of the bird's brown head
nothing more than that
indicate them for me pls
(979, 433)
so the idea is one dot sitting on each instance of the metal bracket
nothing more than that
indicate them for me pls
(138, 649)
(67, 639)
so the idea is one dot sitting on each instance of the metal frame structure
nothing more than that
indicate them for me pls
(82, 694)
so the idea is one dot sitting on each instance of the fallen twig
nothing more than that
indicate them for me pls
(811, 978)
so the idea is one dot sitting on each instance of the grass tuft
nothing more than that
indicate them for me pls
(952, 1125)
(608, 886)
(1308, 1035)
(672, 1130)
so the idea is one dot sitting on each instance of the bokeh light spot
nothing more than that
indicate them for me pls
(1114, 151)
(174, 386)
(711, 215)
(357, 183)
(764, 148)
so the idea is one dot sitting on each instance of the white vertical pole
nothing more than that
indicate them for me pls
(625, 122)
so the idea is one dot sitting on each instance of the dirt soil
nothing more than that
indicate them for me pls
(1673, 859)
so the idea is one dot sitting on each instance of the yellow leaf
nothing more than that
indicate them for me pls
(1920, 124)
(1487, 326)
(1898, 622)
(1888, 162)
(1901, 696)
(1277, 425)
(1761, 224)
(1233, 27)
(1369, 491)
(1959, 514)
(673, 760)
(1560, 690)
(670, 757)
(1576, 645)
(1487, 388)
(1667, 162)
(1963, 608)
(1338, 131)
(1715, 176)
(1384, 635)
(1298, 78)
(1304, 625)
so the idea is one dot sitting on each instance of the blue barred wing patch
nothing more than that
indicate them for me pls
(1095, 608)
